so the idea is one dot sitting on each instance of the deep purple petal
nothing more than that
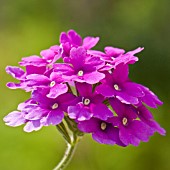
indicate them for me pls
(97, 98)
(133, 89)
(84, 89)
(30, 69)
(114, 135)
(89, 126)
(141, 130)
(101, 111)
(89, 67)
(67, 99)
(105, 90)
(120, 74)
(117, 106)
(153, 124)
(108, 136)
(54, 117)
(144, 113)
(115, 121)
(146, 116)
(39, 95)
(103, 138)
(128, 138)
(150, 98)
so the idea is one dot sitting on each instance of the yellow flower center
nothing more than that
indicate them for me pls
(52, 84)
(80, 73)
(116, 87)
(86, 102)
(103, 125)
(55, 106)
(124, 121)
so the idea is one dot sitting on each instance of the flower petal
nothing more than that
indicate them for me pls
(14, 119)
(127, 99)
(101, 111)
(150, 98)
(37, 80)
(33, 60)
(105, 90)
(90, 42)
(78, 57)
(127, 138)
(84, 89)
(33, 125)
(94, 77)
(79, 112)
(133, 89)
(57, 90)
(54, 117)
(113, 52)
(75, 38)
(89, 126)
(141, 130)
(34, 112)
(15, 72)
(120, 74)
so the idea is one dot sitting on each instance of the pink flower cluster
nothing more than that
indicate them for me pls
(90, 87)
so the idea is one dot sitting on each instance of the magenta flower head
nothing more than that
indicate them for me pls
(72, 39)
(86, 91)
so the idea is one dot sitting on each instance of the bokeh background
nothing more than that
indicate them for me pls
(27, 27)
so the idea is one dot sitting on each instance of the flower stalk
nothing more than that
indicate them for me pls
(72, 136)
(67, 156)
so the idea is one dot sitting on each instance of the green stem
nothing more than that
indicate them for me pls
(69, 88)
(61, 128)
(67, 156)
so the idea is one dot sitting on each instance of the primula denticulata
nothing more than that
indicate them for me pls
(80, 90)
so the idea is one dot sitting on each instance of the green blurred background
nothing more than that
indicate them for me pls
(27, 27)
